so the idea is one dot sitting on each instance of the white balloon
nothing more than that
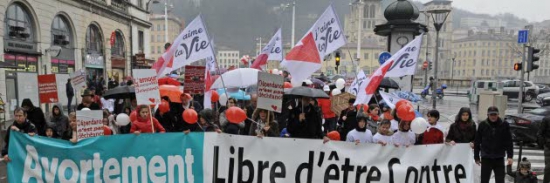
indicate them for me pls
(336, 91)
(280, 72)
(275, 71)
(122, 119)
(223, 99)
(419, 125)
(85, 109)
(340, 83)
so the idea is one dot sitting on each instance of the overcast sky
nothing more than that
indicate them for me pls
(532, 10)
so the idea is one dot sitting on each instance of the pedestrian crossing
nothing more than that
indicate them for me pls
(534, 155)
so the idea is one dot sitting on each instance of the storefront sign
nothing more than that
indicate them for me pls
(14, 45)
(140, 60)
(118, 62)
(94, 61)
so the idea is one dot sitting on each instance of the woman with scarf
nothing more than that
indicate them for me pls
(463, 130)
(373, 118)
(360, 134)
(145, 123)
(263, 126)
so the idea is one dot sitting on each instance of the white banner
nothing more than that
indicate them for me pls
(327, 32)
(146, 86)
(191, 45)
(249, 159)
(78, 80)
(275, 47)
(270, 92)
(89, 124)
(405, 59)
(354, 87)
(390, 99)
(211, 60)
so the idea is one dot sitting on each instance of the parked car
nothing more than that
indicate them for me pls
(543, 88)
(525, 126)
(543, 99)
(511, 89)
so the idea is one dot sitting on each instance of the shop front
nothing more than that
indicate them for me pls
(94, 64)
(117, 68)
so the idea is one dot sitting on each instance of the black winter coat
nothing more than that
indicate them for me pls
(494, 140)
(26, 127)
(520, 178)
(167, 120)
(36, 116)
(310, 128)
(459, 135)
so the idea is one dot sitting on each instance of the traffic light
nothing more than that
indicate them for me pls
(532, 58)
(430, 66)
(518, 67)
(425, 65)
(337, 58)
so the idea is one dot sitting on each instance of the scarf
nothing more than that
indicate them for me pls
(361, 129)
(374, 117)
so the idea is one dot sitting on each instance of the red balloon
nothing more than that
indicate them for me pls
(235, 115)
(406, 112)
(401, 102)
(190, 116)
(287, 85)
(215, 96)
(164, 106)
(133, 116)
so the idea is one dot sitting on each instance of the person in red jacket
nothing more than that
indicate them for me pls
(328, 115)
(144, 124)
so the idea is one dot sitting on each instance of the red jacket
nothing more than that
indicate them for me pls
(144, 125)
(107, 130)
(325, 106)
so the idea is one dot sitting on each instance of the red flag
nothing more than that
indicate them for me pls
(260, 61)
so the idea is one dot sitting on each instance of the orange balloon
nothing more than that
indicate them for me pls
(334, 135)
(164, 106)
(235, 115)
(133, 116)
(401, 102)
(215, 96)
(406, 112)
(190, 116)
(365, 107)
(287, 85)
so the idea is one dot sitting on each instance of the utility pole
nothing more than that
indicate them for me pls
(520, 98)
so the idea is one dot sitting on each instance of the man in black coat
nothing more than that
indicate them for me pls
(544, 133)
(20, 124)
(35, 116)
(347, 120)
(305, 122)
(69, 90)
(494, 141)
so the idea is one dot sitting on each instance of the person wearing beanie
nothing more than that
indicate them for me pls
(348, 119)
(360, 134)
(524, 175)
(384, 134)
(330, 117)
(494, 142)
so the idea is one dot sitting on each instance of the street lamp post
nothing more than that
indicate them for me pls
(439, 17)
(165, 18)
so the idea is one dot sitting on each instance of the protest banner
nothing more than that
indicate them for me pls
(270, 92)
(146, 86)
(212, 157)
(78, 79)
(47, 88)
(89, 124)
(194, 79)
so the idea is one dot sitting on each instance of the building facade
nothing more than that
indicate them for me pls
(227, 58)
(175, 26)
(445, 37)
(61, 36)
(364, 16)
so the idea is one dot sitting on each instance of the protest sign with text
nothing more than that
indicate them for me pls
(89, 124)
(47, 88)
(78, 79)
(194, 79)
(146, 86)
(270, 91)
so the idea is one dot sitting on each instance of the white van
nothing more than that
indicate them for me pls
(483, 85)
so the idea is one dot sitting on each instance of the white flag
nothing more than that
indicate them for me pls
(323, 38)
(272, 51)
(405, 59)
(354, 87)
(390, 99)
(211, 60)
(191, 45)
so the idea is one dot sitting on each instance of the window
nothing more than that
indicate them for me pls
(140, 41)
(152, 38)
(159, 49)
(61, 35)
(159, 39)
(18, 23)
(366, 11)
(364, 24)
(94, 41)
(158, 27)
(366, 56)
(152, 49)
(118, 47)
(372, 11)
(140, 4)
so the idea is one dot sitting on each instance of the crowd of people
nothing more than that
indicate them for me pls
(302, 117)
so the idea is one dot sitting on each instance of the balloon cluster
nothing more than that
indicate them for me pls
(340, 84)
(405, 111)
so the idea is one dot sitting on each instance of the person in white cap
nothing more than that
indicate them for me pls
(328, 115)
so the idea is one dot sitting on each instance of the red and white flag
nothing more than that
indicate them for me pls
(208, 80)
(271, 51)
(323, 38)
(245, 59)
(397, 62)
(191, 45)
(160, 62)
